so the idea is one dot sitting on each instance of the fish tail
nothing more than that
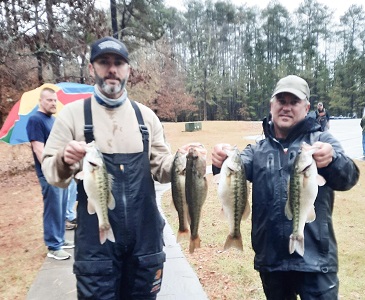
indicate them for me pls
(233, 242)
(194, 243)
(182, 235)
(105, 234)
(296, 243)
(110, 235)
(102, 236)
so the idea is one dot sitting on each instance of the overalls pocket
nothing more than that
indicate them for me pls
(95, 279)
(148, 274)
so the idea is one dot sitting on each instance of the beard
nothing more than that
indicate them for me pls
(50, 111)
(108, 89)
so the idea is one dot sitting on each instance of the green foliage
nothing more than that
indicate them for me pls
(141, 20)
(235, 55)
(229, 57)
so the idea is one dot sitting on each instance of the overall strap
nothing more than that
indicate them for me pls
(142, 126)
(88, 128)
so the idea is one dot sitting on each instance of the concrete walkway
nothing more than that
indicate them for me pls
(56, 281)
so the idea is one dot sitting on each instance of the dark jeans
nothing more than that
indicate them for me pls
(309, 286)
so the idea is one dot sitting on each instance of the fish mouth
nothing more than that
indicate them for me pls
(93, 164)
(306, 168)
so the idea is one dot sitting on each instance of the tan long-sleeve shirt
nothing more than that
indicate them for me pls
(116, 130)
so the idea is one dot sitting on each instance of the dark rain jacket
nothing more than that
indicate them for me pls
(268, 167)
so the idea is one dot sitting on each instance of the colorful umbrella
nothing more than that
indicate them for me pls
(14, 129)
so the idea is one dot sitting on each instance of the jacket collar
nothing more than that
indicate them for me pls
(308, 125)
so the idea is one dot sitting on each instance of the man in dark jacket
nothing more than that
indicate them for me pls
(322, 117)
(268, 165)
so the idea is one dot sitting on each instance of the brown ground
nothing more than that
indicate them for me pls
(22, 250)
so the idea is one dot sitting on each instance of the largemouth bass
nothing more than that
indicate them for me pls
(302, 193)
(97, 185)
(196, 188)
(233, 193)
(178, 194)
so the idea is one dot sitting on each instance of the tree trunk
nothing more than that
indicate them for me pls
(113, 13)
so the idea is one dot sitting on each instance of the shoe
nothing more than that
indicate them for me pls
(69, 225)
(58, 254)
(68, 245)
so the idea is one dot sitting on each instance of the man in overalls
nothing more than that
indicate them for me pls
(130, 137)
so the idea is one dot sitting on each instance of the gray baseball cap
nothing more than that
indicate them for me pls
(293, 84)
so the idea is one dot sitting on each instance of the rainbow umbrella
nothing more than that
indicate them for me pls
(14, 129)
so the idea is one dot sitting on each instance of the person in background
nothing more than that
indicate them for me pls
(54, 198)
(268, 164)
(71, 221)
(322, 117)
(362, 124)
(131, 139)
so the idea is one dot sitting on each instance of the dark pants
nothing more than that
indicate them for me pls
(309, 286)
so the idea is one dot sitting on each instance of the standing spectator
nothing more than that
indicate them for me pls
(322, 117)
(54, 198)
(71, 221)
(362, 124)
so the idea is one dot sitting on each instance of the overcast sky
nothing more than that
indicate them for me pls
(338, 6)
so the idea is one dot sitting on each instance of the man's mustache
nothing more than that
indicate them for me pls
(113, 78)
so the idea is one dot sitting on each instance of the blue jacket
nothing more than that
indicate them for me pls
(268, 167)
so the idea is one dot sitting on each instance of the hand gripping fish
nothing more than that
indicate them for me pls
(302, 193)
(97, 185)
(233, 193)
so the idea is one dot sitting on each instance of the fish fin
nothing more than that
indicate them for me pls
(194, 243)
(216, 178)
(296, 243)
(311, 215)
(288, 212)
(233, 242)
(183, 235)
(111, 201)
(110, 181)
(90, 208)
(247, 211)
(110, 235)
(80, 175)
(320, 180)
(102, 236)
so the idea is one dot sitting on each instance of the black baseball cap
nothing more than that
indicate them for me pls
(108, 45)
